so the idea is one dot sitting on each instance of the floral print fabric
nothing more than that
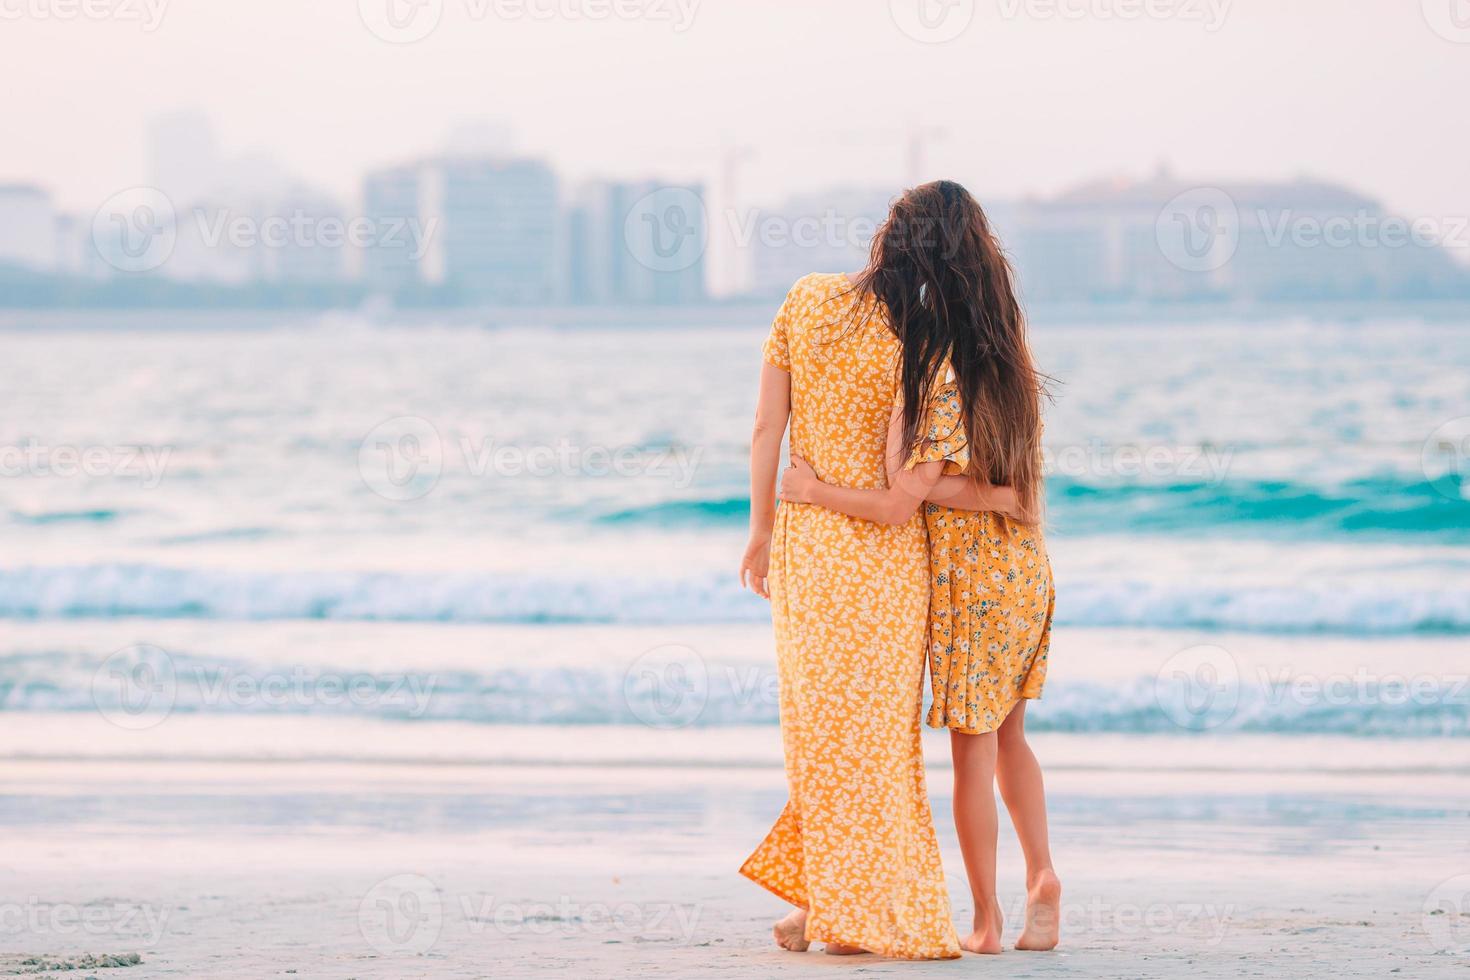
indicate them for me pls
(991, 601)
(855, 843)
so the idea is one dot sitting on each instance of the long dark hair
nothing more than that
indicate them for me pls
(951, 299)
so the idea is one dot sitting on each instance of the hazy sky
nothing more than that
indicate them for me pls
(1032, 95)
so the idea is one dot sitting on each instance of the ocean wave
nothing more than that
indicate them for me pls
(101, 515)
(717, 511)
(678, 694)
(1377, 507)
(117, 590)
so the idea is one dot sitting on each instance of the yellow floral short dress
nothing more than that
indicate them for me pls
(991, 596)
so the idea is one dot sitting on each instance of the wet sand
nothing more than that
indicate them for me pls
(366, 869)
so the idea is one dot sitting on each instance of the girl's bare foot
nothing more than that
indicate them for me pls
(790, 932)
(986, 937)
(1043, 913)
(838, 949)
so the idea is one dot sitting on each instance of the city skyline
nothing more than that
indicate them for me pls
(475, 225)
(620, 98)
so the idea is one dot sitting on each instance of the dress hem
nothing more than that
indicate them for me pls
(818, 936)
(981, 731)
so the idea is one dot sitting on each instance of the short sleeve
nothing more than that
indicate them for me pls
(944, 437)
(777, 349)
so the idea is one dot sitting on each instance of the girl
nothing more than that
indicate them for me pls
(966, 437)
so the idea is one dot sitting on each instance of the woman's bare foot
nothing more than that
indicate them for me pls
(790, 932)
(838, 949)
(1043, 913)
(986, 937)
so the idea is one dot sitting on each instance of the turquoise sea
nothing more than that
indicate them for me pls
(210, 507)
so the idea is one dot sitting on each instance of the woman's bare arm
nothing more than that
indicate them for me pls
(772, 412)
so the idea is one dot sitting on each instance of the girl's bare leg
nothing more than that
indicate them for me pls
(976, 822)
(1019, 775)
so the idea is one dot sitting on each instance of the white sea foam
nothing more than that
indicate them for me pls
(668, 694)
(111, 590)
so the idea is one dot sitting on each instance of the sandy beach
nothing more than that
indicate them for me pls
(264, 714)
(227, 867)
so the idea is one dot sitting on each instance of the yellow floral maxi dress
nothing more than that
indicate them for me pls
(855, 843)
(991, 599)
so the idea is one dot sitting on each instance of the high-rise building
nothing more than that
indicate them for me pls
(76, 252)
(635, 243)
(28, 228)
(208, 245)
(495, 227)
(311, 245)
(391, 261)
(488, 228)
(1166, 239)
(827, 231)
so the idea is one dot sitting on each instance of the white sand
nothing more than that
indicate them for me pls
(337, 870)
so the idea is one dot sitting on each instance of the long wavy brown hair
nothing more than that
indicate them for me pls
(951, 301)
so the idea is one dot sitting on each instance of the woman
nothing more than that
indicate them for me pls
(854, 848)
(941, 290)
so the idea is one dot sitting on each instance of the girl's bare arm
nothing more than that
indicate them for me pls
(959, 492)
(895, 505)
